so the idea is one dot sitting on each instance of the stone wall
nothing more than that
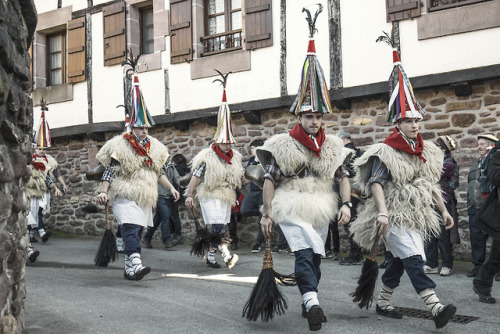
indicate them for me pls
(17, 24)
(460, 117)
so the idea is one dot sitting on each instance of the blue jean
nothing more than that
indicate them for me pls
(414, 266)
(218, 229)
(174, 216)
(477, 240)
(250, 207)
(307, 270)
(162, 219)
(131, 235)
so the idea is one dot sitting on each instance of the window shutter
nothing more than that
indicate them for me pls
(114, 34)
(258, 24)
(76, 50)
(181, 36)
(398, 10)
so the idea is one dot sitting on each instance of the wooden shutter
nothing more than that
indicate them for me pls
(181, 36)
(76, 50)
(398, 10)
(114, 34)
(258, 24)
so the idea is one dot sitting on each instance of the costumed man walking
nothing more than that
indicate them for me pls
(40, 183)
(300, 168)
(133, 164)
(400, 178)
(217, 172)
(483, 282)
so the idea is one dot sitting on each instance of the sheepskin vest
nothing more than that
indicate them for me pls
(310, 199)
(36, 185)
(220, 179)
(133, 179)
(408, 195)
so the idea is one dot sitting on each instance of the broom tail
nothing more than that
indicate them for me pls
(107, 251)
(363, 295)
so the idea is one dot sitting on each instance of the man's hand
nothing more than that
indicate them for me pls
(57, 192)
(447, 220)
(189, 202)
(344, 215)
(102, 198)
(65, 188)
(175, 193)
(266, 224)
(382, 223)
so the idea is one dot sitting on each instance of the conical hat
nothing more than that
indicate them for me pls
(140, 115)
(43, 138)
(224, 132)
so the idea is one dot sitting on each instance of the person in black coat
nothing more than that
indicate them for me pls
(483, 282)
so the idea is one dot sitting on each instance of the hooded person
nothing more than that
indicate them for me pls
(217, 172)
(300, 170)
(43, 171)
(400, 179)
(133, 162)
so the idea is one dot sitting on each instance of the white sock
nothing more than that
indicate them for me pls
(41, 232)
(224, 252)
(310, 299)
(431, 300)
(211, 256)
(384, 298)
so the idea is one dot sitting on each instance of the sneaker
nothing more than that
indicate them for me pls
(147, 243)
(314, 318)
(351, 260)
(445, 271)
(256, 248)
(443, 316)
(279, 250)
(328, 254)
(213, 264)
(172, 241)
(45, 237)
(335, 257)
(472, 273)
(429, 270)
(32, 255)
(232, 261)
(484, 297)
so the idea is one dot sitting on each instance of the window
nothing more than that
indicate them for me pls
(147, 32)
(223, 26)
(56, 59)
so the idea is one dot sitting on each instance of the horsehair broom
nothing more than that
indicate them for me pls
(266, 298)
(107, 251)
(366, 282)
(203, 238)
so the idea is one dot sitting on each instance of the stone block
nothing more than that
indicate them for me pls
(436, 125)
(463, 120)
(463, 105)
(6, 169)
(489, 100)
(20, 165)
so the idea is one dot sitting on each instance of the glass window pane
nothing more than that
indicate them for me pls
(55, 77)
(149, 48)
(215, 6)
(55, 61)
(235, 4)
(236, 20)
(55, 43)
(216, 25)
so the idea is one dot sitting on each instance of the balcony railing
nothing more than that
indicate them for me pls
(223, 42)
(434, 5)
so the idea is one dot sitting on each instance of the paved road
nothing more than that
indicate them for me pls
(66, 293)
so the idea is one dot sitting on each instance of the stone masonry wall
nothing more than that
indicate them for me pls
(17, 24)
(460, 117)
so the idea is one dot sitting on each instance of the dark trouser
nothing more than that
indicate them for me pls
(282, 243)
(162, 219)
(221, 230)
(250, 207)
(414, 266)
(40, 221)
(175, 219)
(233, 229)
(333, 236)
(131, 234)
(307, 270)
(483, 282)
(477, 240)
(443, 244)
(119, 231)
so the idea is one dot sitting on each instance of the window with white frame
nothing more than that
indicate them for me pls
(56, 59)
(147, 31)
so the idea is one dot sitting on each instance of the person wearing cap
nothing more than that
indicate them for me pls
(475, 200)
(483, 281)
(40, 184)
(217, 173)
(400, 178)
(448, 182)
(133, 162)
(300, 169)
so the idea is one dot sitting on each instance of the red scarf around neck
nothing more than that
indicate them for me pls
(227, 157)
(398, 142)
(39, 165)
(302, 137)
(142, 151)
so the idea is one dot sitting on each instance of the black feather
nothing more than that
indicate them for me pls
(386, 39)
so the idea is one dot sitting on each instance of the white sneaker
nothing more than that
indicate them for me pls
(445, 271)
(429, 270)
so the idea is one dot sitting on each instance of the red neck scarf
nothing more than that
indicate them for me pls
(227, 157)
(302, 137)
(39, 165)
(142, 151)
(398, 142)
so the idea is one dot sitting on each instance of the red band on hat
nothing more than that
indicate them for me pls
(395, 56)
(224, 96)
(136, 79)
(311, 48)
